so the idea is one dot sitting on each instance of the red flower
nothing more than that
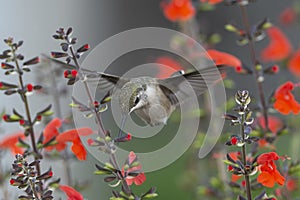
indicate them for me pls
(291, 185)
(211, 1)
(285, 101)
(51, 130)
(274, 123)
(167, 66)
(136, 179)
(279, 47)
(10, 142)
(223, 58)
(269, 174)
(294, 63)
(287, 16)
(71, 193)
(72, 136)
(178, 10)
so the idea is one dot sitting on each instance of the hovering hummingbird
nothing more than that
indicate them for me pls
(152, 99)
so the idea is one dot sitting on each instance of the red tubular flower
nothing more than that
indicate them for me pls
(294, 63)
(287, 16)
(178, 10)
(10, 142)
(274, 123)
(72, 136)
(167, 66)
(269, 174)
(285, 101)
(140, 178)
(279, 47)
(51, 130)
(71, 193)
(223, 58)
(211, 1)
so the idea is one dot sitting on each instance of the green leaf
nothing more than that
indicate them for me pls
(150, 196)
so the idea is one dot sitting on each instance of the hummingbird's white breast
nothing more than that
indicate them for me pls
(158, 108)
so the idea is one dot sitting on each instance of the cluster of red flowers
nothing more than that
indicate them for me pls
(73, 136)
(269, 174)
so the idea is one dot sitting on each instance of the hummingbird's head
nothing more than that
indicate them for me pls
(132, 96)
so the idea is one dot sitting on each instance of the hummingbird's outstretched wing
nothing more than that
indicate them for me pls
(182, 86)
(105, 82)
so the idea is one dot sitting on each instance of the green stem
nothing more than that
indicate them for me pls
(28, 115)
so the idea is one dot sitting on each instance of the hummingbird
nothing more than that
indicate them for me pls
(152, 99)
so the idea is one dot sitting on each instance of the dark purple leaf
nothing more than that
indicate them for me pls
(32, 61)
(58, 54)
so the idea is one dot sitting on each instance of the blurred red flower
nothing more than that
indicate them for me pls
(211, 1)
(274, 123)
(136, 179)
(10, 142)
(279, 46)
(287, 16)
(71, 193)
(285, 101)
(269, 174)
(50, 131)
(73, 136)
(294, 63)
(167, 66)
(291, 185)
(178, 10)
(223, 58)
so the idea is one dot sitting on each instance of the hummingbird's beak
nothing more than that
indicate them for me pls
(131, 110)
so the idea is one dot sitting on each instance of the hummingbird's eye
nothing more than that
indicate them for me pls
(136, 101)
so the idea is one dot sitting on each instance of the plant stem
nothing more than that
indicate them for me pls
(28, 115)
(254, 60)
(101, 131)
(247, 180)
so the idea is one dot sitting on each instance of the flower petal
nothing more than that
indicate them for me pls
(71, 193)
(266, 179)
(294, 63)
(51, 130)
(10, 142)
(223, 58)
(179, 10)
(279, 47)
